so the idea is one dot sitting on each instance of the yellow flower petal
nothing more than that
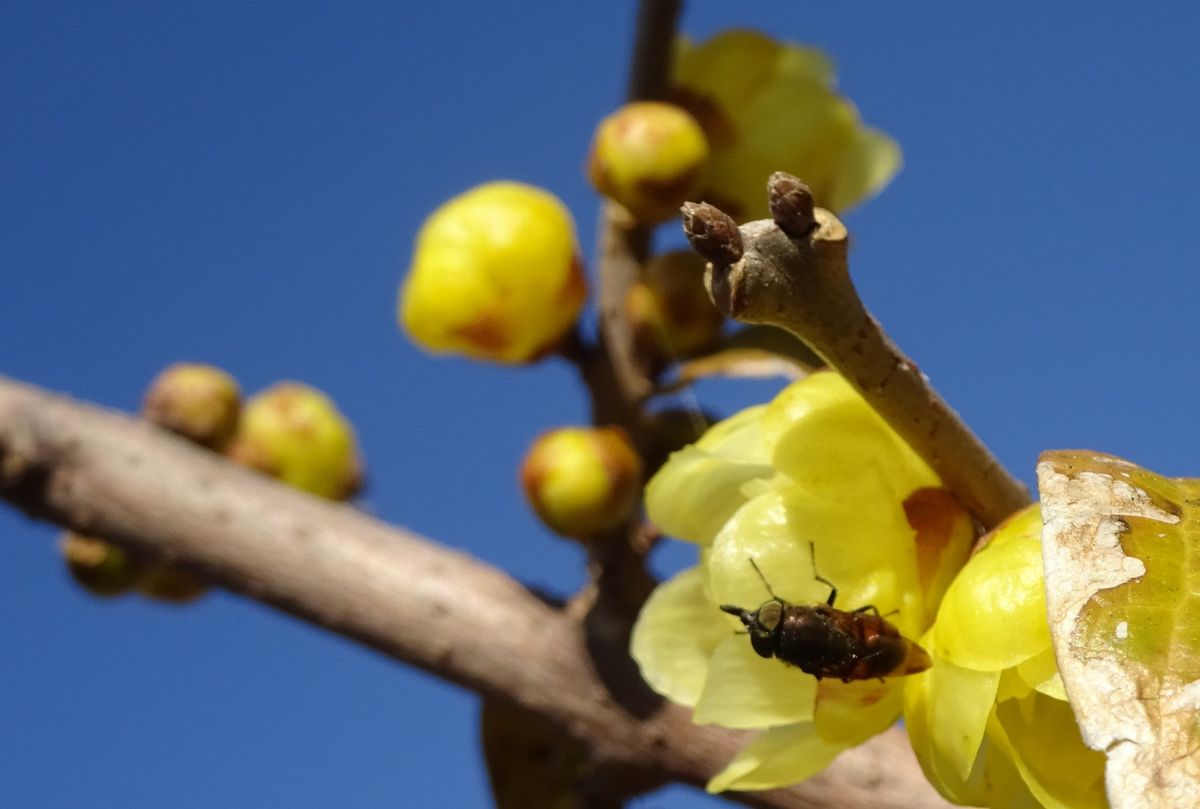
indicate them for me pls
(850, 713)
(1040, 736)
(864, 168)
(994, 614)
(775, 758)
(946, 710)
(769, 106)
(1040, 672)
(743, 690)
(863, 547)
(675, 634)
(701, 486)
(823, 434)
(735, 64)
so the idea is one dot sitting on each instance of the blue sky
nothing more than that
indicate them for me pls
(240, 184)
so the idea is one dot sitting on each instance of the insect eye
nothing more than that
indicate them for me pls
(769, 615)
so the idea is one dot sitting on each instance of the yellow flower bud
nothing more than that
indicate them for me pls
(101, 568)
(670, 311)
(648, 157)
(582, 481)
(768, 106)
(496, 275)
(815, 477)
(295, 433)
(989, 721)
(162, 581)
(200, 402)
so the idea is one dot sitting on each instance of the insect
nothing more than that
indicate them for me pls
(824, 641)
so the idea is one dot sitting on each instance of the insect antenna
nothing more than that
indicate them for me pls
(766, 583)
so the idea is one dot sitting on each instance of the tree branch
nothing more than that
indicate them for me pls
(106, 474)
(623, 246)
(792, 271)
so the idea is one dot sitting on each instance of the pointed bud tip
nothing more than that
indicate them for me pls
(712, 232)
(791, 203)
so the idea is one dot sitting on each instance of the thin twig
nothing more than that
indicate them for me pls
(110, 475)
(793, 272)
(623, 248)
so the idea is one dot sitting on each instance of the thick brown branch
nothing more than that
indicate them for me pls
(103, 473)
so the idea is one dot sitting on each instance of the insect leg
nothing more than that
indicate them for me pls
(812, 552)
(869, 608)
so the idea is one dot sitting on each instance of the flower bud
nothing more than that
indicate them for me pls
(496, 275)
(582, 481)
(101, 568)
(296, 434)
(649, 157)
(163, 581)
(670, 311)
(199, 402)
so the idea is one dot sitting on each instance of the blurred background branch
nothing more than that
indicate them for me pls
(104, 474)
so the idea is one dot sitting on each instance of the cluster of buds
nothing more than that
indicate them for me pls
(291, 432)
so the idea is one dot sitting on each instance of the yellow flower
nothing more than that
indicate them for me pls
(496, 275)
(648, 157)
(814, 467)
(768, 106)
(296, 434)
(990, 722)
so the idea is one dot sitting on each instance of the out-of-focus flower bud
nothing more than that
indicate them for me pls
(163, 581)
(768, 106)
(670, 311)
(496, 275)
(200, 402)
(648, 157)
(582, 481)
(97, 566)
(296, 434)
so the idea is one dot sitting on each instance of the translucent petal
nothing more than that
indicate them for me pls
(867, 165)
(775, 758)
(743, 690)
(675, 634)
(1040, 736)
(994, 614)
(945, 532)
(1040, 672)
(823, 434)
(700, 487)
(946, 710)
(867, 553)
(850, 713)
(734, 65)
